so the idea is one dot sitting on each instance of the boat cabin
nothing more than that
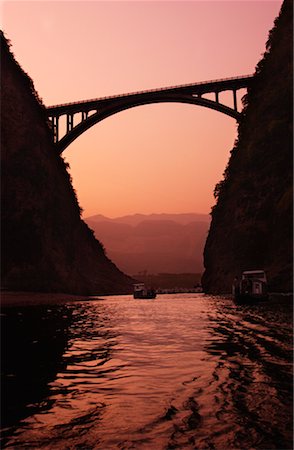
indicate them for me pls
(140, 291)
(253, 285)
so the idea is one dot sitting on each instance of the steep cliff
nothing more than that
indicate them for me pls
(252, 221)
(45, 244)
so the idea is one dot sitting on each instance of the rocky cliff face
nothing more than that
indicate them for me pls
(45, 244)
(252, 221)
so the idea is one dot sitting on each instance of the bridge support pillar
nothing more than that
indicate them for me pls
(55, 127)
(235, 100)
(69, 122)
(84, 115)
(216, 97)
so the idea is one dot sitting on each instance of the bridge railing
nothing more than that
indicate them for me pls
(221, 80)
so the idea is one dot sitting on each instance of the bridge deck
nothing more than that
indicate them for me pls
(200, 87)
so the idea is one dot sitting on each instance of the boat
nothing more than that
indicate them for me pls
(251, 287)
(140, 291)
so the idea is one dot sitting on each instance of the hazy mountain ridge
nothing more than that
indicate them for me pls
(134, 219)
(252, 222)
(45, 244)
(154, 245)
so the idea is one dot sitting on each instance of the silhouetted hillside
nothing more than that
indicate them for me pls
(155, 245)
(252, 221)
(45, 244)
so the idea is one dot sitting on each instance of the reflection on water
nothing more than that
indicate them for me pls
(182, 371)
(33, 340)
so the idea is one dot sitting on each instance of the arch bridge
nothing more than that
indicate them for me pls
(80, 116)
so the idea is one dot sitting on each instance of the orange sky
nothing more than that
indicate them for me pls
(155, 158)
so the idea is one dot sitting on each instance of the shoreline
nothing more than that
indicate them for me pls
(27, 298)
(30, 298)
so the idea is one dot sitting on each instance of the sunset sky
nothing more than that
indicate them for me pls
(149, 159)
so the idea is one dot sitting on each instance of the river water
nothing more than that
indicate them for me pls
(184, 371)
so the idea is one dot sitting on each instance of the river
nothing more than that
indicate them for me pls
(184, 371)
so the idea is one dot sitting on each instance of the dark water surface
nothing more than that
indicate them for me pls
(179, 372)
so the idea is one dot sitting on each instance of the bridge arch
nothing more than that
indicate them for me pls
(99, 116)
(102, 108)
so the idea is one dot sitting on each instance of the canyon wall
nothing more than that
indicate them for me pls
(45, 246)
(252, 221)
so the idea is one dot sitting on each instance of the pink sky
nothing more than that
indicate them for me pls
(155, 158)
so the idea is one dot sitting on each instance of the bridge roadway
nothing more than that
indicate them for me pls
(95, 110)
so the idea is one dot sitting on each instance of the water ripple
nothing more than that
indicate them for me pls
(180, 372)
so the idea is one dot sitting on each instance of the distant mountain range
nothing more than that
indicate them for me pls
(135, 219)
(156, 243)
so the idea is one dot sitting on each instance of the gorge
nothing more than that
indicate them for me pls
(47, 247)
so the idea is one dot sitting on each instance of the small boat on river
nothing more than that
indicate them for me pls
(140, 291)
(252, 287)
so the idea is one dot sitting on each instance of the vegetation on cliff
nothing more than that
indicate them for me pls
(252, 220)
(45, 244)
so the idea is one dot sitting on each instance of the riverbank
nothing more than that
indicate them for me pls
(23, 298)
(12, 298)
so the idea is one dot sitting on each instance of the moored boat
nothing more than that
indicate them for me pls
(252, 287)
(140, 291)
